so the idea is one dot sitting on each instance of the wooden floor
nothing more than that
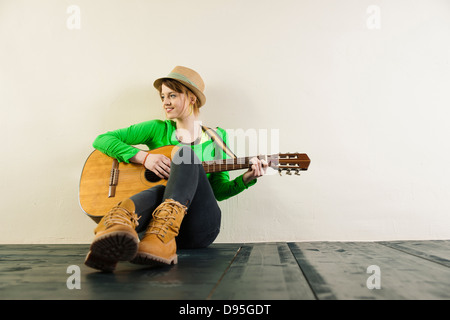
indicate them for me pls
(259, 271)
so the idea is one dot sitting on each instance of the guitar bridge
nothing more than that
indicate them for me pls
(114, 178)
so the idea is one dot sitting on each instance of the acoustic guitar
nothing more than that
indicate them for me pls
(105, 182)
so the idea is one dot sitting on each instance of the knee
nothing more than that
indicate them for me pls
(185, 155)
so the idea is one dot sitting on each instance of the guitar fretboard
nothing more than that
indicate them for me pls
(230, 164)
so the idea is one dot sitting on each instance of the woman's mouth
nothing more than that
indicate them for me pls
(169, 109)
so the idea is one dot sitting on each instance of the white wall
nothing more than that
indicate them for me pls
(369, 106)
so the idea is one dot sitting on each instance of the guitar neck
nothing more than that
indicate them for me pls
(230, 164)
(281, 161)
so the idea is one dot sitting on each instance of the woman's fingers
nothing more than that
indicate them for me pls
(159, 164)
(259, 167)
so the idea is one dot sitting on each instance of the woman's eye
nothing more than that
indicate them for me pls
(172, 96)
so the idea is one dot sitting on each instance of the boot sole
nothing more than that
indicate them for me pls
(110, 248)
(151, 260)
(99, 263)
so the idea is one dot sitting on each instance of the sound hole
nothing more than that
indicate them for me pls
(151, 176)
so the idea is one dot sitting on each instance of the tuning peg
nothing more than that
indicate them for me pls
(297, 172)
(279, 171)
(289, 172)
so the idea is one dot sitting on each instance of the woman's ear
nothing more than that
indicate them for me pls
(192, 99)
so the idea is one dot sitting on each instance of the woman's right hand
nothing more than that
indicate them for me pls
(157, 163)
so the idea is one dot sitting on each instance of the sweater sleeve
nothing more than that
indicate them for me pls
(222, 186)
(119, 143)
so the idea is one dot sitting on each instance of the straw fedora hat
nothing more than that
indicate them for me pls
(187, 77)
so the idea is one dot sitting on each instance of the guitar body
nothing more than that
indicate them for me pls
(97, 177)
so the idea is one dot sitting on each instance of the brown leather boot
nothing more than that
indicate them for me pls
(115, 238)
(158, 247)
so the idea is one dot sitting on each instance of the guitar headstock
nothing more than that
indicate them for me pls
(290, 162)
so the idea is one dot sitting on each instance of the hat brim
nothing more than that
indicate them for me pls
(158, 82)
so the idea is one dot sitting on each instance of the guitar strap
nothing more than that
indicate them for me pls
(218, 140)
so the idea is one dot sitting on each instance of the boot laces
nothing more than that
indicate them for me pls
(164, 216)
(119, 215)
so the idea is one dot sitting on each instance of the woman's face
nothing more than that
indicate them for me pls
(175, 104)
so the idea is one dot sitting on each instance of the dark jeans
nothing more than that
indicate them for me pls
(189, 186)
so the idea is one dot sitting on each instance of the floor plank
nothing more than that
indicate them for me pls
(263, 271)
(337, 270)
(40, 272)
(434, 250)
(260, 271)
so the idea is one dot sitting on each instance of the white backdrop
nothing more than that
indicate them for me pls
(362, 87)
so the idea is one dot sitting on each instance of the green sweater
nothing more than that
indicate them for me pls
(119, 144)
